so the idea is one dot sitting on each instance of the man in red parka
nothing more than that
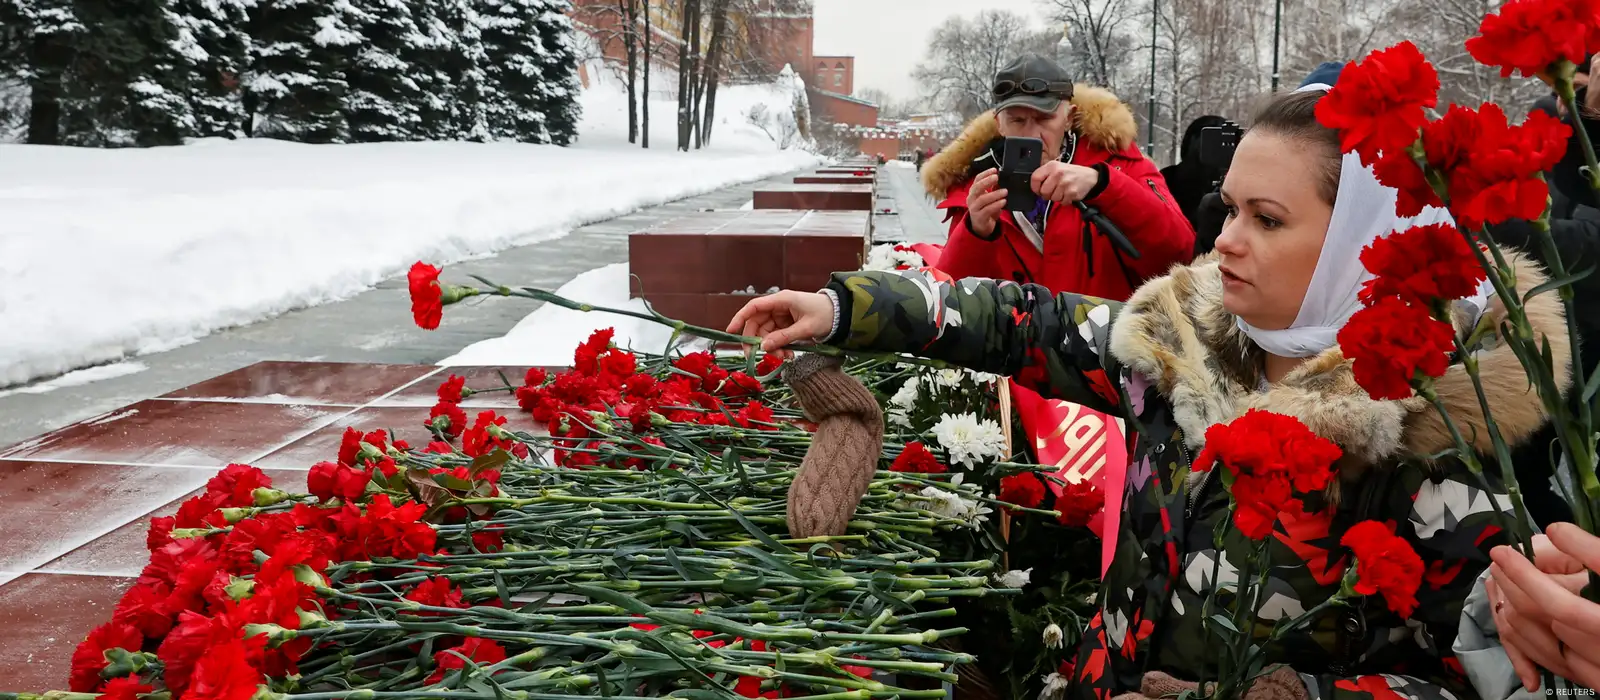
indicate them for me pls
(1099, 165)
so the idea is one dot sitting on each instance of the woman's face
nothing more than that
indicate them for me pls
(1277, 220)
(1049, 127)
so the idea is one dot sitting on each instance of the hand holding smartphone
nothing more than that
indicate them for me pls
(1019, 158)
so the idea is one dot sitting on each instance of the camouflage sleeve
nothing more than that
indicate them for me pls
(1053, 344)
(1450, 518)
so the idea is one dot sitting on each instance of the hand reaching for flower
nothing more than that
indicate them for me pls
(1539, 610)
(784, 319)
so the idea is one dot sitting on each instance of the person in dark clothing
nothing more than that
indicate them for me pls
(922, 157)
(1190, 180)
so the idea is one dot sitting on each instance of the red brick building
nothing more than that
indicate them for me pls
(835, 74)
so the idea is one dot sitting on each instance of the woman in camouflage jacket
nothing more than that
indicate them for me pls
(1176, 359)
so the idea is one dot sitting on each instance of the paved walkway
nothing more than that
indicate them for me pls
(913, 217)
(374, 326)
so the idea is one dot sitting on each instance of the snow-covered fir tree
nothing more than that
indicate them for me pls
(468, 64)
(124, 85)
(385, 100)
(214, 45)
(296, 88)
(531, 69)
(560, 89)
(37, 37)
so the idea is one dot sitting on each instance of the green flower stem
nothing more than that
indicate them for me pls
(1469, 457)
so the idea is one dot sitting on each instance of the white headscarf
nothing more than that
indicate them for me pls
(1364, 210)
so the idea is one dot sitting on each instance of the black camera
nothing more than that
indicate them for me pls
(1217, 144)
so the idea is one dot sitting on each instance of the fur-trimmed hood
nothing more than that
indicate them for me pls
(1103, 120)
(1175, 332)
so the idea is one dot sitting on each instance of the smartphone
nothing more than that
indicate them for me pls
(1019, 158)
(1217, 144)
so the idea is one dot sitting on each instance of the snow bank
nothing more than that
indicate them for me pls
(107, 253)
(548, 336)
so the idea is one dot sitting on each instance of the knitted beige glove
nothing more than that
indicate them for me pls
(843, 456)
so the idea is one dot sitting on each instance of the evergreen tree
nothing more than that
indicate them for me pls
(36, 40)
(559, 94)
(384, 103)
(428, 51)
(468, 64)
(299, 55)
(510, 34)
(214, 45)
(124, 84)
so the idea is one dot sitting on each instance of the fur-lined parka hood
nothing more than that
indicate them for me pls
(1175, 332)
(1102, 120)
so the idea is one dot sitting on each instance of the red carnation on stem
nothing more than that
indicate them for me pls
(1022, 489)
(328, 481)
(144, 607)
(1531, 36)
(535, 377)
(740, 384)
(1421, 265)
(916, 458)
(586, 358)
(1078, 503)
(618, 364)
(223, 672)
(125, 688)
(89, 659)
(453, 389)
(1392, 343)
(1385, 565)
(1400, 171)
(1500, 176)
(482, 652)
(427, 297)
(454, 420)
(1270, 457)
(387, 531)
(437, 592)
(768, 365)
(756, 415)
(160, 534)
(235, 486)
(1380, 102)
(703, 365)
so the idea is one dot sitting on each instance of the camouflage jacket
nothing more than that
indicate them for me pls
(1172, 362)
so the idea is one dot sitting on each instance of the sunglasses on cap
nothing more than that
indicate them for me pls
(1032, 86)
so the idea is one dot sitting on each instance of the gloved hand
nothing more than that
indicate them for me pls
(843, 456)
(1282, 684)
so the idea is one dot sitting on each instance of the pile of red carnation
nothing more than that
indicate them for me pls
(578, 406)
(1269, 457)
(1077, 502)
(242, 555)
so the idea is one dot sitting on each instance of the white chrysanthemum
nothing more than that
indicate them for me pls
(968, 440)
(949, 505)
(901, 403)
(1015, 578)
(950, 378)
(885, 257)
(982, 378)
(1053, 636)
(1055, 687)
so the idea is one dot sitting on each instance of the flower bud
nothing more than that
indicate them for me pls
(309, 576)
(369, 452)
(184, 533)
(1053, 636)
(269, 497)
(452, 293)
(310, 619)
(275, 634)
(239, 589)
(121, 662)
(658, 421)
(233, 515)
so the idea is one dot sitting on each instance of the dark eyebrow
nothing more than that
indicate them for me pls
(1266, 200)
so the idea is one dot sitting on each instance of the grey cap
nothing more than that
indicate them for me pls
(1031, 81)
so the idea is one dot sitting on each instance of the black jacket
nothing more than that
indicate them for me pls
(1190, 180)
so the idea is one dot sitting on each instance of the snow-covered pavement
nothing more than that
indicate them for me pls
(110, 253)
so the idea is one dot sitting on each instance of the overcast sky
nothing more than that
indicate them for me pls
(889, 37)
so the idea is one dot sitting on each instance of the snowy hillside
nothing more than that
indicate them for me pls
(107, 253)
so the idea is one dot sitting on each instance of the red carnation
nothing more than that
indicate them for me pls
(1380, 102)
(438, 448)
(586, 358)
(89, 659)
(1022, 489)
(223, 672)
(160, 534)
(1270, 457)
(144, 607)
(1400, 171)
(1391, 343)
(482, 652)
(454, 419)
(535, 377)
(740, 384)
(1421, 265)
(756, 415)
(453, 389)
(1531, 36)
(917, 459)
(235, 486)
(478, 440)
(1499, 179)
(427, 297)
(201, 511)
(618, 364)
(193, 637)
(387, 531)
(167, 562)
(350, 447)
(1386, 564)
(125, 688)
(328, 481)
(768, 365)
(1078, 503)
(703, 365)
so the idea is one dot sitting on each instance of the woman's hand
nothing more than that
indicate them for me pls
(785, 318)
(1538, 607)
(984, 203)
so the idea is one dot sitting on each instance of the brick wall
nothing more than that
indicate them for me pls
(836, 109)
(834, 74)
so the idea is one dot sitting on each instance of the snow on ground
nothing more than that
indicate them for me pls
(548, 336)
(79, 378)
(107, 253)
